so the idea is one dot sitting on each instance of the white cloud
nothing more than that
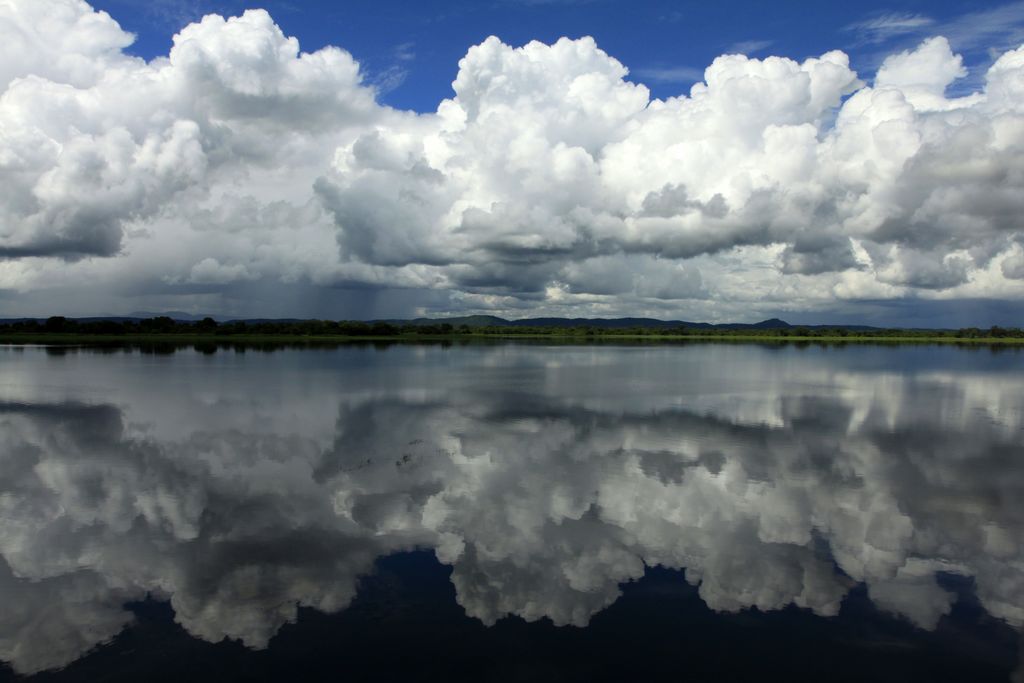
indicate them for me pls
(748, 47)
(669, 74)
(89, 42)
(279, 167)
(998, 28)
(886, 26)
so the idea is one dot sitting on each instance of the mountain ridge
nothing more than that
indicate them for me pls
(609, 323)
(483, 321)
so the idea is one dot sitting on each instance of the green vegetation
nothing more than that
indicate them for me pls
(59, 330)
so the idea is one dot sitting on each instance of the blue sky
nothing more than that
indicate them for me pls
(411, 49)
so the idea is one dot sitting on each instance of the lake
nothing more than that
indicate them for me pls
(512, 511)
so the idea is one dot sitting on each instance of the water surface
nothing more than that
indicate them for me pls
(512, 512)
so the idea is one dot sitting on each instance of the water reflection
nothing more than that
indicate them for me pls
(239, 487)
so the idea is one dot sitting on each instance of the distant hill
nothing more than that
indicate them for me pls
(173, 315)
(487, 321)
(494, 321)
(609, 323)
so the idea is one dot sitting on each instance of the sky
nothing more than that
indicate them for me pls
(733, 161)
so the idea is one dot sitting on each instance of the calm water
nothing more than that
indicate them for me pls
(512, 512)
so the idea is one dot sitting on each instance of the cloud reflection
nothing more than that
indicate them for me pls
(541, 497)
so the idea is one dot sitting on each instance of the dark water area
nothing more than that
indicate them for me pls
(512, 512)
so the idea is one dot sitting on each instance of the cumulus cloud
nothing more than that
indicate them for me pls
(94, 140)
(238, 504)
(240, 163)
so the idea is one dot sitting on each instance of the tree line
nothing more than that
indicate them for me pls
(163, 325)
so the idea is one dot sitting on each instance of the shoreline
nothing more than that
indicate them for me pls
(59, 339)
